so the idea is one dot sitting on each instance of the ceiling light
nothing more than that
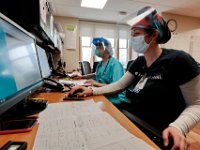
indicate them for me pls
(98, 4)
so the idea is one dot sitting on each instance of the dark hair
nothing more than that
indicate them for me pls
(99, 44)
(151, 32)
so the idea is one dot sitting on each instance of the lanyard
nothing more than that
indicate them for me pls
(106, 67)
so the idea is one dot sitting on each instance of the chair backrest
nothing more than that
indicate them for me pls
(94, 66)
(85, 67)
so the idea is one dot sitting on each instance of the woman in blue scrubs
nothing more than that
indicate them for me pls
(108, 70)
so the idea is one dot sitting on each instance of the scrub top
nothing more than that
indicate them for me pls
(110, 72)
(155, 92)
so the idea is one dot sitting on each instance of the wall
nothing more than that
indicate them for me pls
(187, 35)
(70, 56)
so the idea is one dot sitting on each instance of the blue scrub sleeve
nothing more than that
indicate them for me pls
(117, 72)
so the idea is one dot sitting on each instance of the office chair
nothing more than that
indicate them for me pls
(85, 67)
(198, 64)
(153, 133)
(94, 66)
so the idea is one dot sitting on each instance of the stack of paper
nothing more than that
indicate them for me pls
(82, 126)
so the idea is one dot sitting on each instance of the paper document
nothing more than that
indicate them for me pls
(74, 82)
(128, 144)
(82, 126)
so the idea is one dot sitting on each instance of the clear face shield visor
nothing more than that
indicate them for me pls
(97, 47)
(148, 18)
(138, 19)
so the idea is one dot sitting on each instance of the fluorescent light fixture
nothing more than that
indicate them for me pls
(98, 4)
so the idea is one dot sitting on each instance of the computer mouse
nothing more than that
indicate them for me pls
(72, 97)
(75, 93)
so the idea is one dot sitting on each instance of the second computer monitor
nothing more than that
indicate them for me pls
(43, 61)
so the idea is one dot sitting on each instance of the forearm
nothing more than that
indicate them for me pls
(191, 115)
(115, 87)
(100, 84)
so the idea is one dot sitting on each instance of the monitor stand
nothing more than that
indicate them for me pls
(25, 108)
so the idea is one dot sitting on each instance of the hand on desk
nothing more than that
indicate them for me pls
(92, 82)
(84, 91)
(76, 76)
(179, 140)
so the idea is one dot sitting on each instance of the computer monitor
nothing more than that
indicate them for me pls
(19, 67)
(51, 62)
(94, 66)
(43, 61)
(85, 67)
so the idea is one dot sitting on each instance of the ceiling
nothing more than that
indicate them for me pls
(110, 13)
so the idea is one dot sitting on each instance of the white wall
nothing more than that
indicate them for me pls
(70, 56)
(187, 35)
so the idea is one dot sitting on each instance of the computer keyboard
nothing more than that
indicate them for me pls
(74, 82)
(68, 83)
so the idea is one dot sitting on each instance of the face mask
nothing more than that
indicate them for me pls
(138, 44)
(97, 53)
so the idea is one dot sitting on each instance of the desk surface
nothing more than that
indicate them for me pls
(101, 101)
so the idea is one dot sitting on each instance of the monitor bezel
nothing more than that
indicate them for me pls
(20, 95)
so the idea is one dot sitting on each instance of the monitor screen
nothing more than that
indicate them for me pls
(19, 67)
(43, 61)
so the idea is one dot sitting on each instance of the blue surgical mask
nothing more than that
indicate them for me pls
(97, 53)
(138, 44)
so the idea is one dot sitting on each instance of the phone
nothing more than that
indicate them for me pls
(52, 84)
(15, 145)
(17, 126)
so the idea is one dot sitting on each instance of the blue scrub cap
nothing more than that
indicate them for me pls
(98, 40)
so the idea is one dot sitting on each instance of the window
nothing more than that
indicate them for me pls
(112, 41)
(86, 49)
(123, 51)
(117, 35)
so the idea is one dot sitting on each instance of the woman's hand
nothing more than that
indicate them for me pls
(179, 139)
(77, 76)
(92, 82)
(84, 91)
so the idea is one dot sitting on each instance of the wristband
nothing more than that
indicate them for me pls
(91, 89)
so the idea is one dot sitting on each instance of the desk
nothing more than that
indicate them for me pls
(101, 101)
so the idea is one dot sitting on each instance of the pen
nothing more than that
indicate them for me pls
(73, 98)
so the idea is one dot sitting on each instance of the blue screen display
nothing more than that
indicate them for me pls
(43, 61)
(19, 66)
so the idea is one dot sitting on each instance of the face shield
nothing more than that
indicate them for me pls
(139, 17)
(99, 43)
(97, 46)
(148, 18)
